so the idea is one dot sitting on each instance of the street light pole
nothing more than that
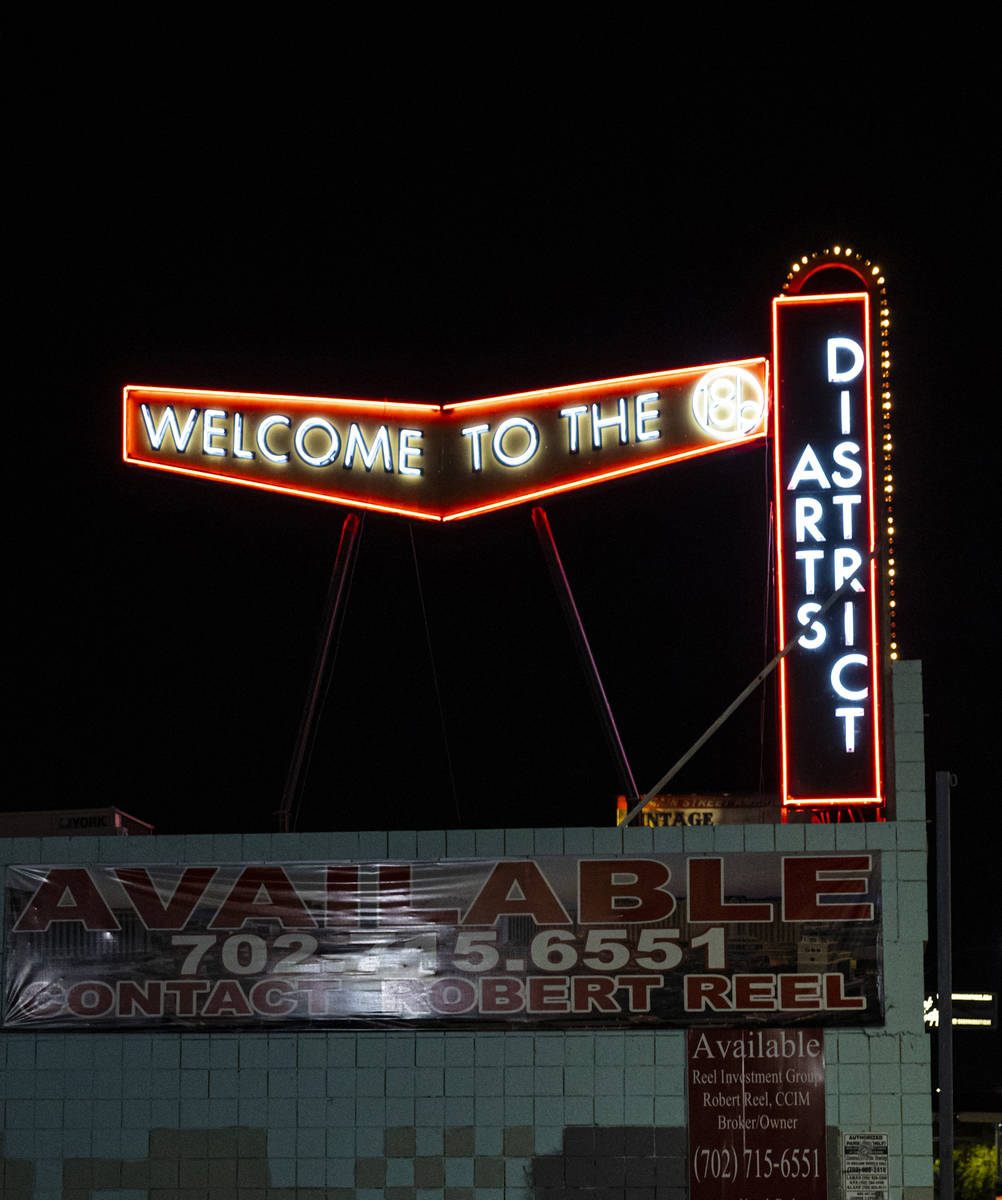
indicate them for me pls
(944, 972)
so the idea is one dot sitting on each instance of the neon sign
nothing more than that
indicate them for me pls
(823, 444)
(449, 461)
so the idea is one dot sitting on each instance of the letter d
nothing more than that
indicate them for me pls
(854, 348)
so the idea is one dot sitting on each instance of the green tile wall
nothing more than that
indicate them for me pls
(442, 1116)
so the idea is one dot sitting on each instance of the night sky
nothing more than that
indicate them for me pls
(444, 243)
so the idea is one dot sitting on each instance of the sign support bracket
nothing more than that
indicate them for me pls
(736, 703)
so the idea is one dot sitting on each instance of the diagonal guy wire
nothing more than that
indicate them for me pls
(739, 700)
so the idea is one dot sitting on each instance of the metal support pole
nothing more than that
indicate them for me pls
(337, 595)
(580, 638)
(736, 703)
(944, 973)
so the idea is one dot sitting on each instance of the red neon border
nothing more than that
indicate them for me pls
(439, 412)
(563, 389)
(373, 407)
(825, 801)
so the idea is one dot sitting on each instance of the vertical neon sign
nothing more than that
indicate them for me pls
(826, 534)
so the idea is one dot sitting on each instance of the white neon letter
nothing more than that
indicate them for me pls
(806, 515)
(854, 472)
(308, 426)
(262, 437)
(849, 623)
(850, 715)
(475, 433)
(808, 468)
(846, 502)
(846, 414)
(238, 438)
(809, 558)
(168, 421)
(210, 430)
(850, 373)
(380, 446)
(836, 677)
(405, 451)
(643, 416)
(573, 415)
(598, 424)
(847, 563)
(818, 632)
(531, 432)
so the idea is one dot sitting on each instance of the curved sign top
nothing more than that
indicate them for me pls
(445, 462)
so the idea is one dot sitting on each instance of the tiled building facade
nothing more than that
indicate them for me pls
(447, 1115)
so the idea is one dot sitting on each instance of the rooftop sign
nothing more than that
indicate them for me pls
(446, 462)
(443, 462)
(825, 519)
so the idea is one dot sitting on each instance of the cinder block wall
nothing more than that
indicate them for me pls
(445, 1116)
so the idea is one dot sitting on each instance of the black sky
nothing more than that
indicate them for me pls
(383, 233)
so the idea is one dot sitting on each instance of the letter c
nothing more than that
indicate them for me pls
(836, 677)
(262, 437)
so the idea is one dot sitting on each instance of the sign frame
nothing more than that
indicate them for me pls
(819, 759)
(450, 461)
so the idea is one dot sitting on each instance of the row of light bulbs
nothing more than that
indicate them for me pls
(877, 286)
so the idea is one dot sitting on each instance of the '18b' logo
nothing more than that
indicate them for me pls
(728, 403)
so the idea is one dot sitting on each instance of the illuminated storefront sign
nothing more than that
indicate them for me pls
(446, 462)
(666, 939)
(829, 687)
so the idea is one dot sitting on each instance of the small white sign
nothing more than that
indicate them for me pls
(864, 1166)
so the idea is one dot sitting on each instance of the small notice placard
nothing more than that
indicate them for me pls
(757, 1114)
(864, 1166)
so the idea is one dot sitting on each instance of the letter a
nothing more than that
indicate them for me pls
(66, 894)
(808, 468)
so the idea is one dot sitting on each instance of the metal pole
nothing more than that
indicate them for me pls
(736, 703)
(337, 595)
(576, 626)
(944, 972)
